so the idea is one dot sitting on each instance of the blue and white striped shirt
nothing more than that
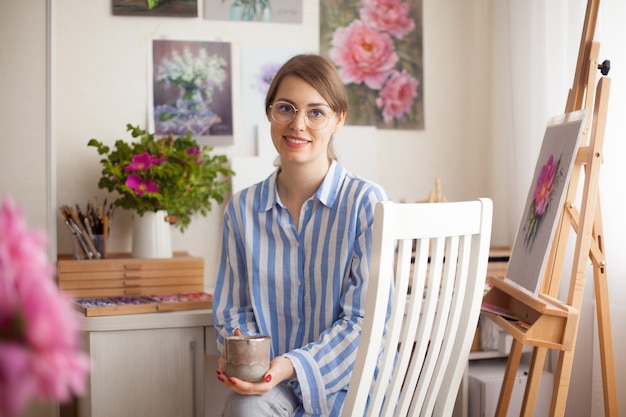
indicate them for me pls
(306, 286)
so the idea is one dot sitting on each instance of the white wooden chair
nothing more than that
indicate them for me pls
(428, 336)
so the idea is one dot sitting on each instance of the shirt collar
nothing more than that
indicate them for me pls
(327, 192)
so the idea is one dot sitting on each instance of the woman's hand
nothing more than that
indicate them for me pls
(280, 370)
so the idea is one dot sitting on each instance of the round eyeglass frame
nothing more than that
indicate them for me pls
(295, 113)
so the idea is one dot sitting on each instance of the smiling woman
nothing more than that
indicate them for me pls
(295, 253)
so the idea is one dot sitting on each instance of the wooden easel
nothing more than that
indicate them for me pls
(550, 323)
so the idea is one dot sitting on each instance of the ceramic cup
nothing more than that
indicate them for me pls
(247, 357)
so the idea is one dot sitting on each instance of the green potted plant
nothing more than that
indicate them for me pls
(169, 174)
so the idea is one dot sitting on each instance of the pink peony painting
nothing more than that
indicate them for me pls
(545, 200)
(376, 46)
(546, 184)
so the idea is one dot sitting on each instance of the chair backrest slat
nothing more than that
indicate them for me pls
(427, 275)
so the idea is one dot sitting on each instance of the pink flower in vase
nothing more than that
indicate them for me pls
(142, 162)
(141, 185)
(194, 152)
(39, 344)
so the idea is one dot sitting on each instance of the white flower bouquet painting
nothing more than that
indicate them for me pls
(191, 83)
(270, 11)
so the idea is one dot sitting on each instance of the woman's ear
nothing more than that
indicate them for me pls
(341, 119)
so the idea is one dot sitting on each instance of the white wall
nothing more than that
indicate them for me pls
(100, 83)
(24, 158)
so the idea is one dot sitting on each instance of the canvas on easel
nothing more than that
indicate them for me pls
(545, 200)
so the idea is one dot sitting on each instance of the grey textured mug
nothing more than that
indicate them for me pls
(247, 357)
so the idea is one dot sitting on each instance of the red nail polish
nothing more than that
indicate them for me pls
(232, 380)
(268, 378)
(220, 377)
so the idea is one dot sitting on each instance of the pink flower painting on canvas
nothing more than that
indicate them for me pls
(376, 46)
(543, 195)
(363, 54)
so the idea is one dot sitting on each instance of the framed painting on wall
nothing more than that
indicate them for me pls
(545, 200)
(274, 11)
(190, 89)
(162, 8)
(379, 57)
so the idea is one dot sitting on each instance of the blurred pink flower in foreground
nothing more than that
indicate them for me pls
(39, 341)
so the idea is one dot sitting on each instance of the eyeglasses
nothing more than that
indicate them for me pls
(316, 118)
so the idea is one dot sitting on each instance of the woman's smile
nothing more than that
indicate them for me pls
(295, 141)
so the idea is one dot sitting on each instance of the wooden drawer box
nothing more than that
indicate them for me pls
(122, 284)
(120, 275)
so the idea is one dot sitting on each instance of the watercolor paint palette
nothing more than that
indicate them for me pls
(137, 304)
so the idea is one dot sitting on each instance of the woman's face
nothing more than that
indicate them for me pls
(296, 141)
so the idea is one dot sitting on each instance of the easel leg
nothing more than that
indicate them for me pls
(533, 381)
(561, 383)
(606, 349)
(509, 378)
(605, 335)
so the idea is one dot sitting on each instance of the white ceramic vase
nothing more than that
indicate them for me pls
(152, 236)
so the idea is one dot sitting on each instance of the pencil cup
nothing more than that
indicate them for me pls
(247, 357)
(83, 251)
(100, 243)
(79, 252)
